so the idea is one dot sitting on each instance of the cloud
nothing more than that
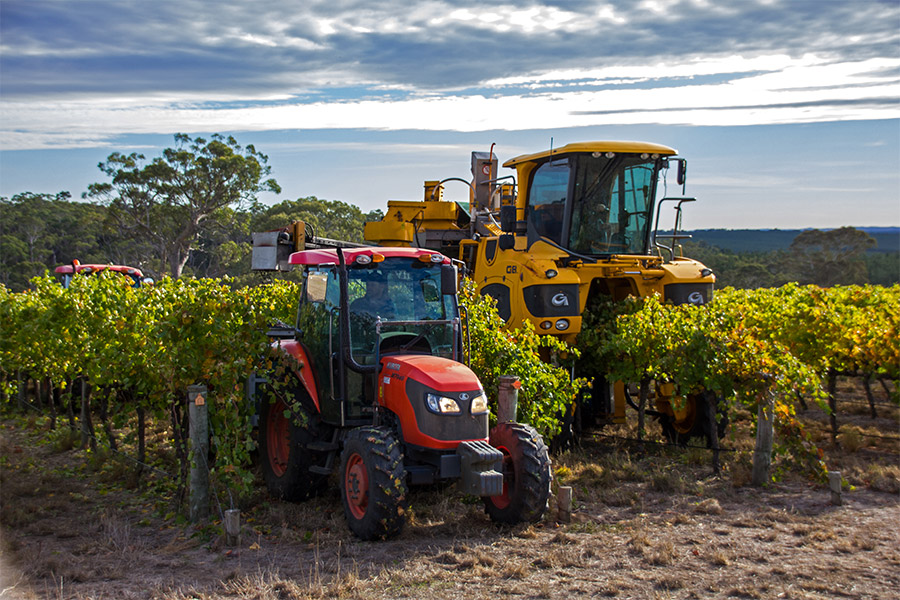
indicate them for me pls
(79, 74)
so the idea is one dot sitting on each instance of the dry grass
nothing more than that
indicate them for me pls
(652, 524)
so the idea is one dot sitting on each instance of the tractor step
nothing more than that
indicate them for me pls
(323, 446)
(320, 470)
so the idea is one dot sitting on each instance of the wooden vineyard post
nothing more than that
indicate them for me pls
(834, 484)
(765, 438)
(564, 504)
(508, 398)
(199, 434)
(713, 428)
(233, 527)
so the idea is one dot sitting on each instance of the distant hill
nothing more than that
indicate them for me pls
(766, 240)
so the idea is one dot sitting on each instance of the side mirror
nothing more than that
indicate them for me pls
(449, 280)
(508, 218)
(682, 171)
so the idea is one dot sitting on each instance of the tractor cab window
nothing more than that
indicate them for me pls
(547, 195)
(612, 200)
(399, 290)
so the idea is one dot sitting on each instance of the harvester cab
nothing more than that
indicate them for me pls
(377, 393)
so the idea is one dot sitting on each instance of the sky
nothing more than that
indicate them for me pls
(788, 111)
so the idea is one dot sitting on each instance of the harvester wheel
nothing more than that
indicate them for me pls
(373, 483)
(695, 424)
(283, 436)
(526, 475)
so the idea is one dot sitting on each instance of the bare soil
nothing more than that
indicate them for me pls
(647, 524)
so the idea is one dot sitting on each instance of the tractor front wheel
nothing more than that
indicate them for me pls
(526, 475)
(373, 483)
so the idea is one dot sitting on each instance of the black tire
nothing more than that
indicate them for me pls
(696, 424)
(283, 454)
(526, 475)
(373, 483)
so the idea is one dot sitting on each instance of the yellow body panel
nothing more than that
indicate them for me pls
(390, 233)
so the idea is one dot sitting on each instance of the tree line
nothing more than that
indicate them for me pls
(190, 211)
(825, 258)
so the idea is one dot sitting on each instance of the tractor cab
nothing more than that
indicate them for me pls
(395, 301)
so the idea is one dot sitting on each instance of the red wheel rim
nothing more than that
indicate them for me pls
(278, 441)
(509, 479)
(356, 484)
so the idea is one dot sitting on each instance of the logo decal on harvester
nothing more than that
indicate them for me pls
(559, 299)
(695, 298)
(464, 396)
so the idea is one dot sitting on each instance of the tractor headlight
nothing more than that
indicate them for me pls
(479, 404)
(441, 404)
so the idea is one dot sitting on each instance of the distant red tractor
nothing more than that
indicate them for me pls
(377, 394)
(67, 272)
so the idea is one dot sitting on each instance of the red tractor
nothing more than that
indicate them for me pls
(376, 392)
(67, 272)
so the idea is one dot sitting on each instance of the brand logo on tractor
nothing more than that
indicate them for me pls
(464, 396)
(695, 298)
(559, 299)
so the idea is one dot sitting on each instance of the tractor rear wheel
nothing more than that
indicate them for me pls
(526, 475)
(285, 459)
(373, 483)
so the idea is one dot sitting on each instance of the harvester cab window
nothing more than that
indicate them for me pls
(612, 199)
(547, 199)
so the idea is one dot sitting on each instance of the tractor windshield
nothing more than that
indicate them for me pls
(594, 203)
(406, 294)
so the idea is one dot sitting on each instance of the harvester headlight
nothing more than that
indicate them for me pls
(546, 324)
(550, 273)
(562, 324)
(441, 404)
(479, 404)
(705, 272)
(363, 259)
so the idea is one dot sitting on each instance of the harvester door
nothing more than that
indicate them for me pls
(317, 322)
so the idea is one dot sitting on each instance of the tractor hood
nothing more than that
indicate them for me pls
(433, 371)
(407, 382)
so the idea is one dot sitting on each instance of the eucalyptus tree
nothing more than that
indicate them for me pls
(165, 204)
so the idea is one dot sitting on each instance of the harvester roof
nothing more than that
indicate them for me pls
(630, 147)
